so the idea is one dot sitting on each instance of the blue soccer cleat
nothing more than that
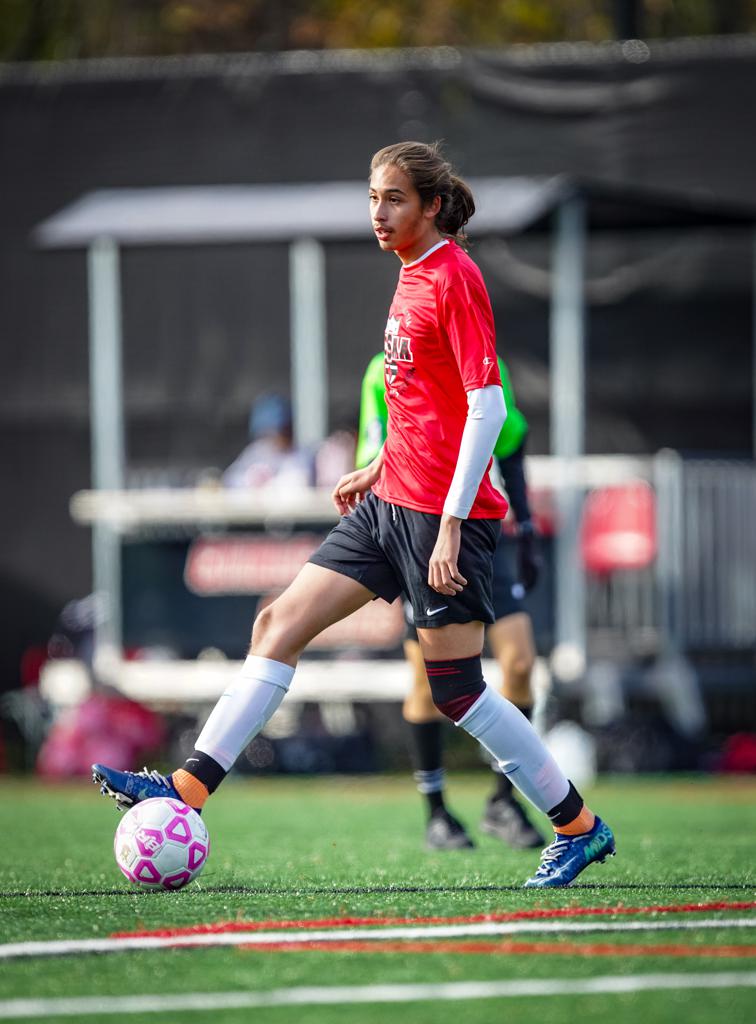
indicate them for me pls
(567, 856)
(129, 788)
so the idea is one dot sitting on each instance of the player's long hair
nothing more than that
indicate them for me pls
(432, 176)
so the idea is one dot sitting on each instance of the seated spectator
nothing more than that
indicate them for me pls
(270, 460)
(334, 458)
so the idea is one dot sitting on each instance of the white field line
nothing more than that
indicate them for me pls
(58, 947)
(16, 1009)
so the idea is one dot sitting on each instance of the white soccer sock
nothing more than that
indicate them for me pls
(244, 709)
(506, 733)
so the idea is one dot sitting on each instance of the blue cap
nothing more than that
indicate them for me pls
(271, 414)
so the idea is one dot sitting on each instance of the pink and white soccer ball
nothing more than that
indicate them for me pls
(161, 844)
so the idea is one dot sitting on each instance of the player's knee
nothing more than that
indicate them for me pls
(523, 664)
(455, 685)
(418, 704)
(516, 671)
(270, 636)
(263, 624)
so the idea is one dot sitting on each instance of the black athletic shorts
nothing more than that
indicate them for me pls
(387, 549)
(507, 592)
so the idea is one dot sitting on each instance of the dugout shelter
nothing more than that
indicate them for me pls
(567, 209)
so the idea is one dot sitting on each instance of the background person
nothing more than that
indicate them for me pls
(510, 636)
(270, 460)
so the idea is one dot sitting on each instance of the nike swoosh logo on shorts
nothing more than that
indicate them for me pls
(435, 611)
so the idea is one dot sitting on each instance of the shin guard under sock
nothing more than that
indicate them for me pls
(503, 785)
(508, 736)
(245, 707)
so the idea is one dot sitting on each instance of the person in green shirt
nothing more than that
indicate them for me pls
(510, 637)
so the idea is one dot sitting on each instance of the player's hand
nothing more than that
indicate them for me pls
(352, 488)
(443, 575)
(528, 558)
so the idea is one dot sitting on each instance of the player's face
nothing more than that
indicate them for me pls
(400, 221)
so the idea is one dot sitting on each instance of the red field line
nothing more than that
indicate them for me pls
(516, 915)
(539, 948)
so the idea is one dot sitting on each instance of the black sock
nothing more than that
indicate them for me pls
(435, 802)
(204, 768)
(427, 743)
(568, 809)
(426, 750)
(504, 789)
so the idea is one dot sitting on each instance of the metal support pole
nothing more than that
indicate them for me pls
(567, 355)
(753, 346)
(673, 679)
(107, 433)
(668, 484)
(309, 360)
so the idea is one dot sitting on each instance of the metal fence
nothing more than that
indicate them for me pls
(696, 597)
(718, 599)
(699, 596)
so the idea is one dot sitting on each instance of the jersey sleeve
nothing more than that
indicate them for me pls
(467, 320)
(373, 413)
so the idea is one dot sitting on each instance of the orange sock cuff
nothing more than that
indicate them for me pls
(189, 788)
(583, 823)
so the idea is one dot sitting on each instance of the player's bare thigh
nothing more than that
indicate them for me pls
(457, 640)
(316, 599)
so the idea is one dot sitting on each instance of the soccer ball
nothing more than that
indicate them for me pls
(161, 844)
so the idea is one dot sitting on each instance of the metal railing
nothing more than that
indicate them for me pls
(700, 594)
(718, 598)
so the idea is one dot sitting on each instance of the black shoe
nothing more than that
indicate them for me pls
(444, 832)
(506, 820)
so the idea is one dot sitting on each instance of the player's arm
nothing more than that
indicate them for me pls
(486, 412)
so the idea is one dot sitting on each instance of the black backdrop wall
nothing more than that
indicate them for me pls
(206, 330)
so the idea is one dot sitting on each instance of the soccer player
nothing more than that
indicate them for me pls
(422, 519)
(510, 637)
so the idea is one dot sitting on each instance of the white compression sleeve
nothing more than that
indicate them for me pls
(486, 412)
(245, 707)
(506, 733)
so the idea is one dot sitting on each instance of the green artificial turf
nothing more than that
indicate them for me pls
(320, 848)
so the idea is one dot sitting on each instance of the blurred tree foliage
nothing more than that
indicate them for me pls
(62, 29)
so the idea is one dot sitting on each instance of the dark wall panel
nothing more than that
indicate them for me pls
(207, 330)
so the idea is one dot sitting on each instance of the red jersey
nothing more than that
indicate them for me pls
(439, 345)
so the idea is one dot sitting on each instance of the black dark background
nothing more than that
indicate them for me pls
(205, 330)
